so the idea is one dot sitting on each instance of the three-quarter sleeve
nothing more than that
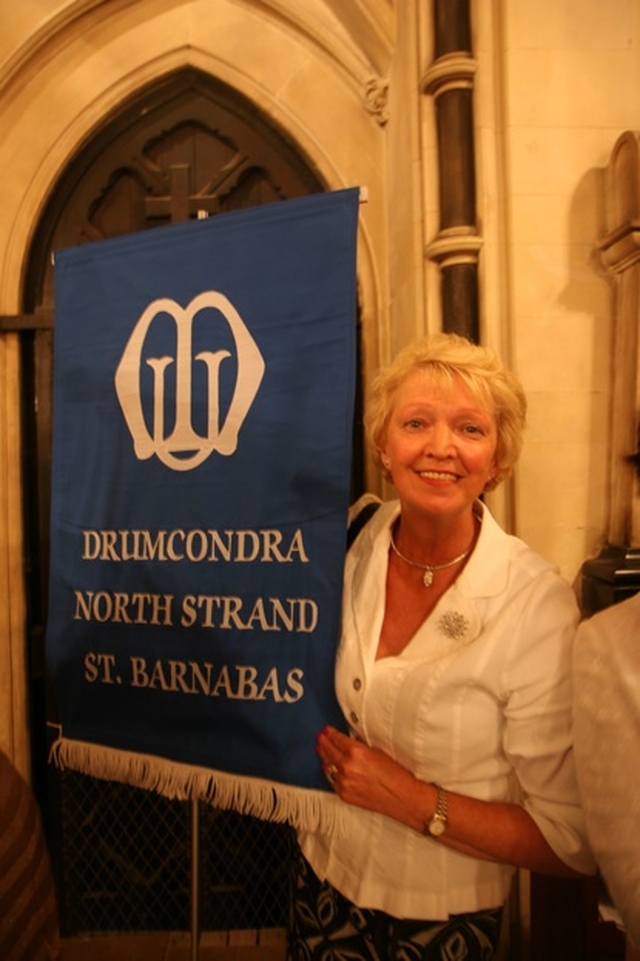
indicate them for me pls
(538, 717)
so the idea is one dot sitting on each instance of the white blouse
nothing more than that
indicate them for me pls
(479, 701)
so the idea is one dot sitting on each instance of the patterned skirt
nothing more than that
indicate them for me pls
(325, 926)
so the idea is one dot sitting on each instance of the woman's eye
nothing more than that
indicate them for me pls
(472, 429)
(413, 424)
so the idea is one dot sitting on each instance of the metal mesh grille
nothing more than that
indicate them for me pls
(244, 871)
(126, 863)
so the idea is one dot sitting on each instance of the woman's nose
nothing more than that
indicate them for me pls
(440, 441)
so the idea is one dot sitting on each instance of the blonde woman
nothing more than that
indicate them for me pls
(453, 673)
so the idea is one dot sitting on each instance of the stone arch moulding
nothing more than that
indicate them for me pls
(361, 48)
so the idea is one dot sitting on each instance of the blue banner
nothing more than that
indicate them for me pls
(204, 377)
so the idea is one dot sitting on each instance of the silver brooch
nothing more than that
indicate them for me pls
(453, 624)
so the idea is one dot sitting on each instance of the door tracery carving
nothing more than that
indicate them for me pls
(185, 145)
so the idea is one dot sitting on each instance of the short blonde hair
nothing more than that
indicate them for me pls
(445, 356)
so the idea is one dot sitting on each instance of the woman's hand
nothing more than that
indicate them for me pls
(370, 779)
(494, 831)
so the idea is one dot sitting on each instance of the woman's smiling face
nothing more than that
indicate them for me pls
(440, 444)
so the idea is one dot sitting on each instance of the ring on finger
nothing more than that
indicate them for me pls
(331, 770)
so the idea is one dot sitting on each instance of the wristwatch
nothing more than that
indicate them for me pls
(438, 823)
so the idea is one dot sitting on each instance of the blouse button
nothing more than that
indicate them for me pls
(353, 717)
(357, 683)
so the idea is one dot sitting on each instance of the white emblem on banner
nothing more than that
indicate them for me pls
(184, 439)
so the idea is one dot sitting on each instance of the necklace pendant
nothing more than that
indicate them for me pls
(427, 578)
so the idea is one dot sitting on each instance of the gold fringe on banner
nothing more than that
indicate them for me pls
(304, 808)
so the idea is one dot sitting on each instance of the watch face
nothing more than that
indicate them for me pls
(437, 826)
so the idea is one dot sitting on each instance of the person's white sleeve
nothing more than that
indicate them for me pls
(538, 736)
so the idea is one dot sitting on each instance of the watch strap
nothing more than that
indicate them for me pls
(437, 825)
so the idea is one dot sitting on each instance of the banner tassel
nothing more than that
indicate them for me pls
(304, 808)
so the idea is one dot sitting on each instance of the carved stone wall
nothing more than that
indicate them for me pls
(615, 573)
(620, 250)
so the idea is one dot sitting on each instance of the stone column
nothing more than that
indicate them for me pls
(449, 79)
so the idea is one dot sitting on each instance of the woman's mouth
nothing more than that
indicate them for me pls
(438, 475)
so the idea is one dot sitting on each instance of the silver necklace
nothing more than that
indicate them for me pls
(429, 569)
